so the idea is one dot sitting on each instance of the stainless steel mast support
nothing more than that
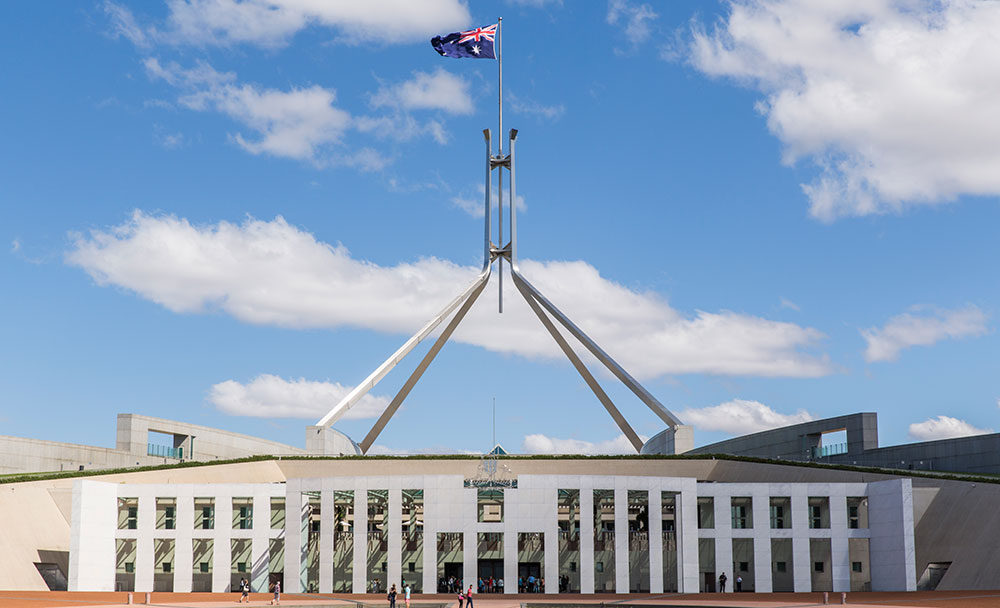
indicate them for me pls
(417, 373)
(538, 303)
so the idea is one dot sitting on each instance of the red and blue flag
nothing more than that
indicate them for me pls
(476, 43)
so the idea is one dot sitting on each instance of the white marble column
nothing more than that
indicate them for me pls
(801, 558)
(327, 523)
(655, 518)
(686, 525)
(586, 538)
(294, 516)
(360, 582)
(840, 558)
(395, 541)
(144, 546)
(724, 540)
(621, 541)
(761, 539)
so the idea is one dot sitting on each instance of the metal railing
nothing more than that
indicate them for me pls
(829, 450)
(163, 451)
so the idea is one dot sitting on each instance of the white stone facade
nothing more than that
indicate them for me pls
(531, 507)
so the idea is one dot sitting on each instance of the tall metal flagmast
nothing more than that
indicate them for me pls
(499, 47)
(544, 309)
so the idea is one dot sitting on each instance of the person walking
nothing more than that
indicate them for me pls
(722, 583)
(461, 598)
(392, 596)
(406, 595)
(244, 591)
(277, 593)
(468, 598)
(739, 583)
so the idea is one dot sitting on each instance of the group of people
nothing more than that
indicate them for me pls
(449, 585)
(275, 587)
(532, 584)
(490, 585)
(392, 596)
(738, 585)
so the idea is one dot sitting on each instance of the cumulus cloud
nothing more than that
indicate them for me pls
(635, 19)
(437, 90)
(303, 123)
(895, 101)
(944, 427)
(543, 444)
(909, 329)
(520, 105)
(740, 417)
(272, 273)
(272, 23)
(269, 396)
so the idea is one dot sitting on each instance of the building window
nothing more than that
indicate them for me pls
(129, 567)
(241, 567)
(706, 513)
(744, 566)
(277, 512)
(780, 566)
(856, 566)
(204, 566)
(128, 513)
(781, 507)
(204, 513)
(166, 566)
(413, 567)
(741, 513)
(857, 512)
(818, 566)
(242, 513)
(166, 509)
(572, 566)
(599, 566)
(819, 512)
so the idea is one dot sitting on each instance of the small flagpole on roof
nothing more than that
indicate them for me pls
(499, 52)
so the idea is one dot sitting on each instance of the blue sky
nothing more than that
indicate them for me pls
(230, 213)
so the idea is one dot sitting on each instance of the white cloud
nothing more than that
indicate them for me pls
(533, 108)
(740, 417)
(437, 90)
(300, 123)
(786, 303)
(124, 25)
(476, 205)
(272, 23)
(635, 19)
(543, 444)
(944, 427)
(906, 330)
(894, 101)
(269, 396)
(268, 272)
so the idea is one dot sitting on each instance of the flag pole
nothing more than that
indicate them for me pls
(499, 49)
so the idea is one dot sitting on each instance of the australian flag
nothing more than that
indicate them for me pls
(477, 43)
